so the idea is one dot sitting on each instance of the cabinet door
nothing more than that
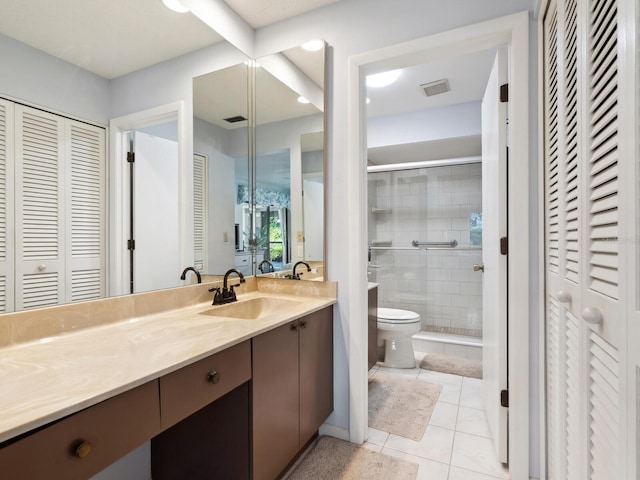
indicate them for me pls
(316, 371)
(275, 401)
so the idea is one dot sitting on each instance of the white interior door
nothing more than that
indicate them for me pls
(156, 222)
(313, 218)
(494, 226)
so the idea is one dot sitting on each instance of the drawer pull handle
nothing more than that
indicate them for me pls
(83, 450)
(293, 327)
(303, 323)
(213, 376)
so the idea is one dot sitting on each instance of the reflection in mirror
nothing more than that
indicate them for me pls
(222, 220)
(289, 160)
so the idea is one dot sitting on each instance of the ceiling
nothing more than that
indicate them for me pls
(122, 36)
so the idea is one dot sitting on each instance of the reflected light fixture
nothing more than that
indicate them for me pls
(313, 45)
(175, 5)
(368, 100)
(382, 79)
(301, 99)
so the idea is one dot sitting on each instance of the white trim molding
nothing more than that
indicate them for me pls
(513, 31)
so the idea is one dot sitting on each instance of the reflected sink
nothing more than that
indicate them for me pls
(252, 309)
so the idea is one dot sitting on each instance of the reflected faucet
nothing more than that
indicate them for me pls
(270, 267)
(296, 276)
(184, 274)
(227, 295)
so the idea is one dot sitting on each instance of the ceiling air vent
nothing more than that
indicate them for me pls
(236, 119)
(436, 88)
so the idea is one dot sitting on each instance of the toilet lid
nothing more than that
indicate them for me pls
(395, 315)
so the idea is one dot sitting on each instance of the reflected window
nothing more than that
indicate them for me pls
(475, 229)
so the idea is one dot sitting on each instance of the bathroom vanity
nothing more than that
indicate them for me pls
(201, 386)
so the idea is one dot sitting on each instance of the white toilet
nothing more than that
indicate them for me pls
(395, 329)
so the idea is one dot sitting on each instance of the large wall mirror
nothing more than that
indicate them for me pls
(81, 76)
(265, 213)
(289, 161)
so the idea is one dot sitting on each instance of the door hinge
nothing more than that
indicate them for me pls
(504, 398)
(131, 244)
(504, 245)
(504, 93)
(131, 157)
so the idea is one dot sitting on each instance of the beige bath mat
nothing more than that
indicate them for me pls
(335, 459)
(466, 367)
(401, 406)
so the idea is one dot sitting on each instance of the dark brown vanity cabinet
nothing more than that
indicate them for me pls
(292, 390)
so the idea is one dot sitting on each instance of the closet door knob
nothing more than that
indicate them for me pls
(564, 296)
(42, 267)
(592, 315)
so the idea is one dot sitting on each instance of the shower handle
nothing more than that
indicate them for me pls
(478, 267)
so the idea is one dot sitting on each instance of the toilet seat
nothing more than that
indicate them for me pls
(395, 315)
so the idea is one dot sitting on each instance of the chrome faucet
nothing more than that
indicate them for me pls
(296, 276)
(184, 274)
(270, 267)
(227, 295)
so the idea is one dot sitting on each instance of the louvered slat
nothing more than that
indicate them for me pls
(40, 290)
(86, 154)
(573, 397)
(3, 185)
(40, 187)
(3, 293)
(603, 148)
(572, 178)
(86, 285)
(553, 386)
(551, 142)
(604, 407)
(199, 207)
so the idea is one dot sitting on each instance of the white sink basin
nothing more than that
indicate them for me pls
(252, 309)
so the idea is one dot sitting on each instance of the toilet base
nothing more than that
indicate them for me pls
(398, 353)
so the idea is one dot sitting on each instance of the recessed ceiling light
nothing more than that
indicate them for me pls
(313, 45)
(175, 5)
(382, 79)
(301, 99)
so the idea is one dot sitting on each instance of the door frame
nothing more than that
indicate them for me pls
(513, 31)
(118, 283)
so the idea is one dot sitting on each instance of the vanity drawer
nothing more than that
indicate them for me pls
(86, 442)
(187, 390)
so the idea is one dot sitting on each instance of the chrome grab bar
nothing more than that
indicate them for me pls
(451, 244)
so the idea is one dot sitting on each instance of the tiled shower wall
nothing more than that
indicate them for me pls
(429, 205)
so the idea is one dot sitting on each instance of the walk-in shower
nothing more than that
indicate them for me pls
(425, 236)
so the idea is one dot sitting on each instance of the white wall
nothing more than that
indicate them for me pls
(424, 125)
(354, 27)
(45, 81)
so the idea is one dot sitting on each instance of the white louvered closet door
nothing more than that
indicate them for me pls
(7, 242)
(584, 327)
(85, 211)
(39, 207)
(200, 212)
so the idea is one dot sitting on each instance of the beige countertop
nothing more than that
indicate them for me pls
(45, 379)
